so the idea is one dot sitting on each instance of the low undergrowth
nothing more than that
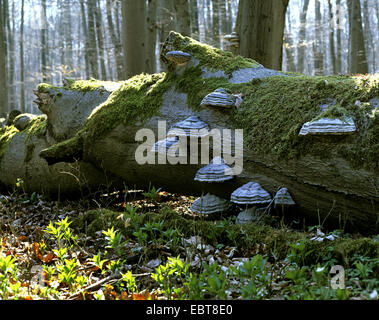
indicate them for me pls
(153, 247)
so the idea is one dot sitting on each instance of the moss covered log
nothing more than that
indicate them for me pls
(332, 178)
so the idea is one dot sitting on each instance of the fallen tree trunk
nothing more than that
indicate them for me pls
(330, 177)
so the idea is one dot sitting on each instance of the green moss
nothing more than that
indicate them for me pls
(137, 100)
(6, 137)
(97, 220)
(77, 85)
(87, 85)
(212, 58)
(68, 150)
(44, 87)
(275, 109)
(36, 126)
(333, 112)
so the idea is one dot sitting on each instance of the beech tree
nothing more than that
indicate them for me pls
(261, 28)
(3, 64)
(134, 40)
(358, 60)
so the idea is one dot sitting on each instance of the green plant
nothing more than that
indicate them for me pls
(98, 262)
(172, 276)
(9, 286)
(67, 273)
(153, 194)
(62, 233)
(114, 238)
(129, 281)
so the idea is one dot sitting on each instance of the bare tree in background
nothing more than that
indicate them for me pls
(358, 60)
(3, 64)
(134, 39)
(260, 26)
(302, 37)
(183, 18)
(317, 44)
(151, 36)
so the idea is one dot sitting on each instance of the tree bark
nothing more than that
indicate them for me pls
(134, 40)
(317, 44)
(331, 37)
(3, 65)
(339, 38)
(22, 58)
(369, 42)
(195, 32)
(288, 44)
(44, 41)
(115, 40)
(151, 37)
(261, 29)
(10, 53)
(302, 36)
(358, 60)
(183, 18)
(91, 42)
(216, 23)
(100, 40)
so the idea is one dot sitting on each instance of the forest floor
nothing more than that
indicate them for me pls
(135, 245)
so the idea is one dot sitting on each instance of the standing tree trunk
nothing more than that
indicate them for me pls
(194, 19)
(261, 29)
(331, 37)
(358, 60)
(3, 65)
(85, 35)
(302, 36)
(115, 40)
(339, 38)
(10, 53)
(134, 24)
(100, 40)
(44, 41)
(22, 61)
(166, 14)
(317, 44)
(216, 23)
(370, 46)
(68, 35)
(183, 18)
(91, 40)
(288, 45)
(151, 37)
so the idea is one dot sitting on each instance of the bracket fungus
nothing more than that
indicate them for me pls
(209, 204)
(164, 146)
(219, 98)
(328, 126)
(283, 198)
(251, 194)
(178, 57)
(191, 127)
(216, 172)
